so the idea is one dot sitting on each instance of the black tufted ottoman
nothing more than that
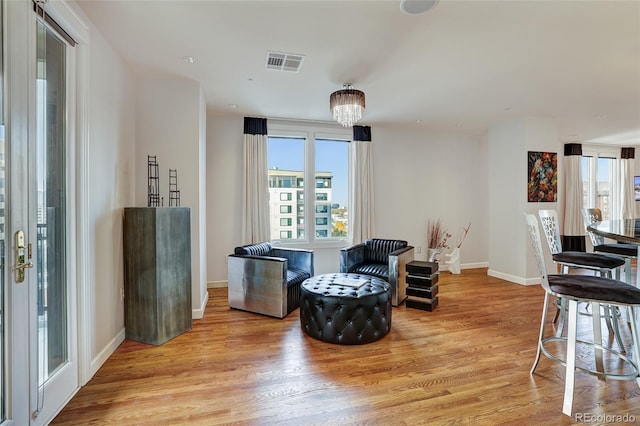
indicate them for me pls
(335, 312)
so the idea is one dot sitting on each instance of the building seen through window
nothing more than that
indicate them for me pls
(327, 215)
(601, 183)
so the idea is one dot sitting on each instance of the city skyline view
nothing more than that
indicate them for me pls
(288, 154)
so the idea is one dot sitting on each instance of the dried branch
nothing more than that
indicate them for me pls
(462, 235)
(437, 236)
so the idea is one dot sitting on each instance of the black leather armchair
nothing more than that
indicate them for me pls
(266, 280)
(386, 259)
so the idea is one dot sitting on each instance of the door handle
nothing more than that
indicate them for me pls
(21, 265)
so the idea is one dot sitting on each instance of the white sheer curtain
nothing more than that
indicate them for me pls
(362, 218)
(626, 183)
(573, 238)
(255, 199)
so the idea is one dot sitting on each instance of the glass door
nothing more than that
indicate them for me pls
(50, 187)
(42, 329)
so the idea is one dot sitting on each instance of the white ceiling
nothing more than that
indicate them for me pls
(464, 65)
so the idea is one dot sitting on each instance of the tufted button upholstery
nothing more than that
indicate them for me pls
(337, 313)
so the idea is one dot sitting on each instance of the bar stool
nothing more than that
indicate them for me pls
(622, 250)
(603, 264)
(576, 288)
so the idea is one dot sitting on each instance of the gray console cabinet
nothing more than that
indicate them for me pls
(157, 273)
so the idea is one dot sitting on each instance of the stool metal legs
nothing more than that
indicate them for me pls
(570, 379)
(571, 341)
(545, 309)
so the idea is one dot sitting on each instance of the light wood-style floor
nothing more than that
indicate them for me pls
(467, 362)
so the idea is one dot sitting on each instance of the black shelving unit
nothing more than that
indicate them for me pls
(422, 285)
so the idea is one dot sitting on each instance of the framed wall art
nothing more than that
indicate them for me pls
(543, 177)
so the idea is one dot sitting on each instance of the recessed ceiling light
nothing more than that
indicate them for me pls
(189, 59)
(234, 106)
(414, 7)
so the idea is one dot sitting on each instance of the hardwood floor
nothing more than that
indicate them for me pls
(466, 362)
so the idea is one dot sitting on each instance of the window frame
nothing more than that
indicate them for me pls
(594, 153)
(310, 132)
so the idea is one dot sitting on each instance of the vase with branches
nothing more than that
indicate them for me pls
(453, 258)
(437, 239)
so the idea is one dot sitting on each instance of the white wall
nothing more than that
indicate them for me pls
(510, 255)
(169, 114)
(111, 115)
(224, 192)
(419, 174)
(201, 272)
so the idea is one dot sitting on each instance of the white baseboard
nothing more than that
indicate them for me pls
(442, 266)
(199, 313)
(474, 265)
(513, 278)
(217, 284)
(105, 353)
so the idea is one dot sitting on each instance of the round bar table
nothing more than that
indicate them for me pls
(623, 231)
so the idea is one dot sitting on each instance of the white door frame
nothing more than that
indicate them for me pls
(19, 24)
(20, 33)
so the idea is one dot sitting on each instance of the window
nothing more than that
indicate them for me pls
(285, 196)
(332, 191)
(601, 182)
(285, 221)
(285, 235)
(279, 181)
(323, 182)
(296, 154)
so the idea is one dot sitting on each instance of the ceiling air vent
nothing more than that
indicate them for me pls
(284, 61)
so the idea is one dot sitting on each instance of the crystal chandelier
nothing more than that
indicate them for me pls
(347, 105)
